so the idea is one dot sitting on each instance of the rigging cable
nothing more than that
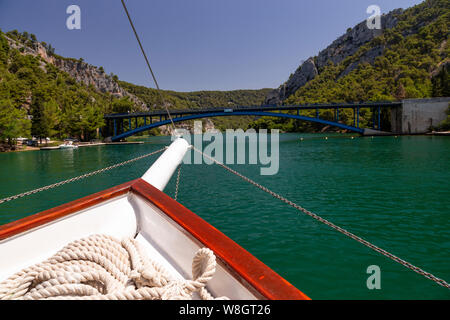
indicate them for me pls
(285, 200)
(177, 184)
(87, 175)
(148, 64)
(330, 224)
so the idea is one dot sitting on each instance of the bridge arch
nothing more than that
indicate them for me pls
(228, 114)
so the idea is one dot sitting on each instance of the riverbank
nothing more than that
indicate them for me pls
(52, 146)
(16, 148)
(81, 145)
(441, 133)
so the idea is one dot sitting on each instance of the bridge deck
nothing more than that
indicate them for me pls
(115, 127)
(255, 108)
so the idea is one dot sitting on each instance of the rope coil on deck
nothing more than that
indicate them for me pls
(101, 267)
(406, 264)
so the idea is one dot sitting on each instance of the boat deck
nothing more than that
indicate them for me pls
(169, 233)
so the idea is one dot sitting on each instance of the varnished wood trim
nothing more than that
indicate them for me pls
(39, 219)
(257, 274)
(266, 281)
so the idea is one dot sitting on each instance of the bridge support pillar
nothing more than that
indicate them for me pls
(373, 118)
(372, 132)
(379, 118)
(357, 117)
(416, 116)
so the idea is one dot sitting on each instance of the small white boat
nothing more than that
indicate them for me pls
(68, 145)
(169, 233)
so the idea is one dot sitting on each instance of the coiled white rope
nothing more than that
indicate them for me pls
(101, 267)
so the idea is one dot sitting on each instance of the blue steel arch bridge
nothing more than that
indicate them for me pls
(121, 126)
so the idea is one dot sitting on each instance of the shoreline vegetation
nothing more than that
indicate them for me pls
(19, 147)
(45, 95)
(144, 139)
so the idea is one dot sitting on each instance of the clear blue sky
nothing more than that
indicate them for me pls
(194, 44)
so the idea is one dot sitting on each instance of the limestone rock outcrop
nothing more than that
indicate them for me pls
(343, 47)
(81, 71)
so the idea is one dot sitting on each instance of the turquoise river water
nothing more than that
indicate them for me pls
(393, 192)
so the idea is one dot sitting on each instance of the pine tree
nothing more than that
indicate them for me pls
(13, 122)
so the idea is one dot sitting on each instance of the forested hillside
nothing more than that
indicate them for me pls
(36, 98)
(46, 95)
(203, 99)
(413, 62)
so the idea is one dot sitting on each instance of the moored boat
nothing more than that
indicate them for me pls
(68, 145)
(169, 233)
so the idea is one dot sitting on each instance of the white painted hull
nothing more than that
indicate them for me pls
(169, 233)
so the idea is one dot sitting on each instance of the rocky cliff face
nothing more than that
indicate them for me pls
(81, 71)
(207, 126)
(305, 73)
(343, 47)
